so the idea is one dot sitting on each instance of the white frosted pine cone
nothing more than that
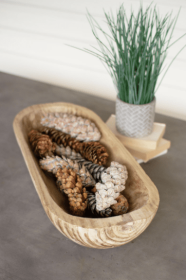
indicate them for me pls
(67, 152)
(81, 128)
(113, 182)
(107, 212)
(116, 173)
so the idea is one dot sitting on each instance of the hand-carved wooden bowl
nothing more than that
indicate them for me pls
(100, 233)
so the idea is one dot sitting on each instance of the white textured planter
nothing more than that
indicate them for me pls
(135, 120)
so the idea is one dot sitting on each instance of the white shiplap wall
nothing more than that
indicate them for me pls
(34, 34)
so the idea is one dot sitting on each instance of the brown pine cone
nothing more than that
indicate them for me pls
(121, 206)
(57, 136)
(93, 151)
(75, 144)
(41, 144)
(60, 137)
(70, 183)
(78, 203)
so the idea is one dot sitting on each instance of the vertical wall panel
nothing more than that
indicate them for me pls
(34, 37)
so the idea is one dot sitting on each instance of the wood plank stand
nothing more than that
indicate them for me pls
(146, 148)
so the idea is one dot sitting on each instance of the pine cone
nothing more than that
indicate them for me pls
(52, 164)
(95, 169)
(57, 136)
(95, 152)
(81, 128)
(92, 151)
(41, 144)
(70, 183)
(67, 152)
(84, 174)
(115, 173)
(113, 182)
(121, 206)
(92, 206)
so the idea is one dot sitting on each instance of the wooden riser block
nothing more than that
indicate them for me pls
(159, 155)
(146, 154)
(150, 142)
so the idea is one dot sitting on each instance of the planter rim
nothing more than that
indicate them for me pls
(136, 104)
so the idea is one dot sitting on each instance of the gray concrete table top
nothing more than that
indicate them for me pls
(32, 248)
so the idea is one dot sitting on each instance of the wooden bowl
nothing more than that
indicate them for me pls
(99, 233)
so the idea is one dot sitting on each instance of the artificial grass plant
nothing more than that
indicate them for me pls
(134, 51)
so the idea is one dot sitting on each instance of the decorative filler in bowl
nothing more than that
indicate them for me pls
(133, 51)
(68, 135)
(94, 192)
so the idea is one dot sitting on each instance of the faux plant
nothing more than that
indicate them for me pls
(134, 51)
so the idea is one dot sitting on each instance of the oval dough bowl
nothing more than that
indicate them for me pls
(99, 233)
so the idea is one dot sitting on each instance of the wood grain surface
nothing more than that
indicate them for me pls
(100, 233)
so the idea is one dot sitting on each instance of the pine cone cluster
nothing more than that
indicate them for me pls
(52, 164)
(92, 151)
(80, 165)
(70, 183)
(41, 144)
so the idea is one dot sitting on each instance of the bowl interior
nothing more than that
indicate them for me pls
(135, 192)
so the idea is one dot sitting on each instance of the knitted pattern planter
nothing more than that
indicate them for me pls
(135, 120)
